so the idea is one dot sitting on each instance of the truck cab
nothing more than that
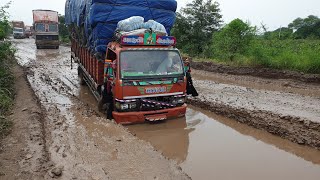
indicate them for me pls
(18, 33)
(146, 79)
(46, 34)
(46, 29)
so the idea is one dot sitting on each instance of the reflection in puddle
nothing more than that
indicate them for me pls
(170, 137)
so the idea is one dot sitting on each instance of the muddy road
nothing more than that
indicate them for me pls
(202, 145)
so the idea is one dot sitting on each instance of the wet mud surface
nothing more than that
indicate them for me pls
(23, 153)
(83, 144)
(80, 143)
(258, 72)
(220, 148)
(290, 115)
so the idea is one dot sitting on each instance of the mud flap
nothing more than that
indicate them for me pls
(107, 101)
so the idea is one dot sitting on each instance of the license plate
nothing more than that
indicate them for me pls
(155, 90)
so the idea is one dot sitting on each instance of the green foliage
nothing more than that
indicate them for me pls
(6, 85)
(281, 33)
(299, 55)
(63, 29)
(195, 25)
(6, 78)
(232, 40)
(4, 23)
(296, 55)
(306, 28)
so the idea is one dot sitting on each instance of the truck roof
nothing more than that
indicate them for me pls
(43, 10)
(41, 15)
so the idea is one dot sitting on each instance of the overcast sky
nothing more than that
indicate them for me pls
(273, 13)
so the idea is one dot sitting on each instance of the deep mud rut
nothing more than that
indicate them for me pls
(202, 146)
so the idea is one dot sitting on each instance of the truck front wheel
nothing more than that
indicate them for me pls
(81, 76)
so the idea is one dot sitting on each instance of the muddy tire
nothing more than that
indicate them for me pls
(101, 105)
(82, 81)
(38, 47)
(57, 47)
(81, 76)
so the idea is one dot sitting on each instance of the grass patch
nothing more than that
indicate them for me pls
(6, 86)
(295, 55)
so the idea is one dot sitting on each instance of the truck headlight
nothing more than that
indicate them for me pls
(180, 100)
(126, 106)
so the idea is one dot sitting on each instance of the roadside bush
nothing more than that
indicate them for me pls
(299, 55)
(6, 85)
(6, 77)
(232, 40)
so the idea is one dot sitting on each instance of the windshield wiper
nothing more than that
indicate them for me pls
(149, 83)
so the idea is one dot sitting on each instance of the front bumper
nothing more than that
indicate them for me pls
(18, 36)
(47, 42)
(142, 116)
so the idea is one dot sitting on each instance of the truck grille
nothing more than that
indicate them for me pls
(47, 37)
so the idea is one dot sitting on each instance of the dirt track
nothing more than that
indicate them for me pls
(292, 116)
(72, 137)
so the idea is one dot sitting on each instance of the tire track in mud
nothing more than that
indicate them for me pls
(293, 116)
(295, 129)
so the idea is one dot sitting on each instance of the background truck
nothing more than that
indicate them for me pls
(28, 31)
(128, 72)
(18, 29)
(46, 31)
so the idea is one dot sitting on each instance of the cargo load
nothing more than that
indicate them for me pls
(94, 22)
(17, 24)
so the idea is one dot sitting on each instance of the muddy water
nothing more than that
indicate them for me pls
(208, 145)
(205, 145)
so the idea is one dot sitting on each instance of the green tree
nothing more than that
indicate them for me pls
(306, 28)
(195, 25)
(233, 39)
(63, 29)
(4, 23)
(281, 33)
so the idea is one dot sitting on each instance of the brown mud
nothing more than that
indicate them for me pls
(256, 71)
(291, 112)
(295, 129)
(80, 144)
(23, 153)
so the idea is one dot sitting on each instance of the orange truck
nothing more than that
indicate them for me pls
(142, 78)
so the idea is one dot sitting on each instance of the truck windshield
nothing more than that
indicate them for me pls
(40, 28)
(53, 27)
(150, 63)
(18, 30)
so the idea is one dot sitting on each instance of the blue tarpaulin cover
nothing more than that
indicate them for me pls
(100, 17)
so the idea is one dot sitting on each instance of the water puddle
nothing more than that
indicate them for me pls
(206, 145)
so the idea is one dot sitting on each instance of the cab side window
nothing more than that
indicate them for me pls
(111, 55)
